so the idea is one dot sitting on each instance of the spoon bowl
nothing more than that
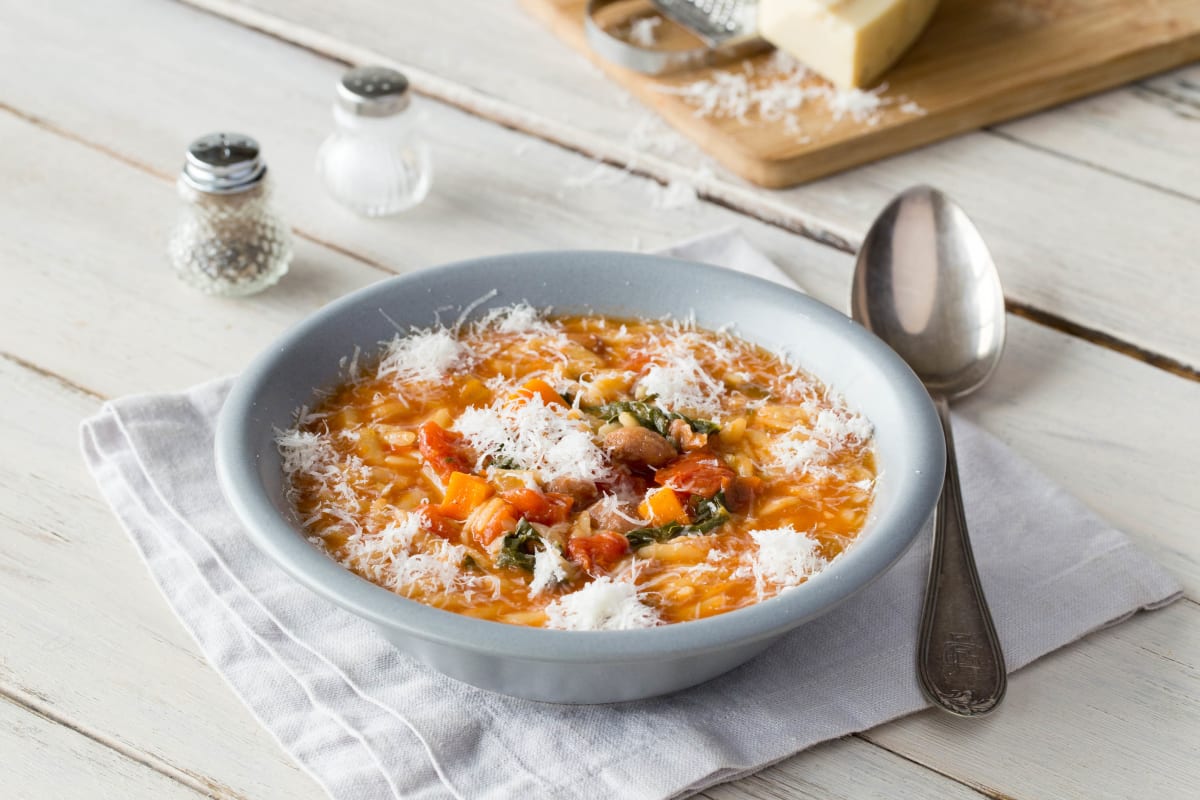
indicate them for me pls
(926, 284)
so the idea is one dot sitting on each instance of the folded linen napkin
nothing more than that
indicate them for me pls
(368, 722)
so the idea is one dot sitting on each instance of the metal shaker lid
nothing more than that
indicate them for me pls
(373, 92)
(223, 163)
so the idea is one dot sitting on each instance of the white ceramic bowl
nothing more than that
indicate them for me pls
(584, 666)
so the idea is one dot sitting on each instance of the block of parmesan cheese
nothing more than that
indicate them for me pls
(850, 42)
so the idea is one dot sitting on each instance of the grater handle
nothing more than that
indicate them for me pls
(716, 22)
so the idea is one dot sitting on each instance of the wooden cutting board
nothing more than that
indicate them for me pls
(979, 62)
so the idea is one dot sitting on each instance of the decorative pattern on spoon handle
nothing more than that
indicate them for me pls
(959, 661)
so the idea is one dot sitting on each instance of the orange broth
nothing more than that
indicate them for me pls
(369, 469)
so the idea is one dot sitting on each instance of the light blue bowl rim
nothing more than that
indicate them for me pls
(890, 535)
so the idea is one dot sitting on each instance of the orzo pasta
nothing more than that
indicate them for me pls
(580, 472)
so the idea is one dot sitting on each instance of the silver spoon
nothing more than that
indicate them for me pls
(925, 283)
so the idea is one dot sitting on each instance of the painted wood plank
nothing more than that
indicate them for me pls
(1047, 739)
(86, 632)
(1133, 689)
(118, 282)
(1135, 132)
(977, 63)
(823, 778)
(1069, 239)
(542, 79)
(1035, 403)
(180, 713)
(43, 759)
(1041, 403)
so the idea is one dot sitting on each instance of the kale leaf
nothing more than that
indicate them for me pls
(502, 461)
(516, 549)
(707, 513)
(651, 416)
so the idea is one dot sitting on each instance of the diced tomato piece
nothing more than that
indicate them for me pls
(599, 552)
(530, 502)
(497, 526)
(636, 361)
(560, 508)
(699, 472)
(442, 449)
(439, 523)
(493, 520)
(687, 438)
(547, 508)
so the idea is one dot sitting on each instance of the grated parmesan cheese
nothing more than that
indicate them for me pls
(422, 356)
(785, 557)
(611, 504)
(676, 194)
(385, 557)
(648, 137)
(644, 31)
(803, 449)
(797, 452)
(777, 89)
(862, 105)
(518, 318)
(312, 455)
(439, 571)
(392, 558)
(682, 383)
(728, 94)
(842, 427)
(305, 452)
(400, 536)
(377, 555)
(540, 443)
(536, 437)
(549, 569)
(602, 605)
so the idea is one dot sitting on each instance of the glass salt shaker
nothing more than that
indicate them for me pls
(375, 163)
(228, 241)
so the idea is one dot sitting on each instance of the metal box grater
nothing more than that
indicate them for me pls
(717, 22)
(728, 30)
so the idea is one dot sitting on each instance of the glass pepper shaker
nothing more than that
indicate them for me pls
(228, 241)
(376, 162)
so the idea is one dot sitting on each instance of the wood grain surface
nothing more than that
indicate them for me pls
(979, 62)
(1085, 232)
(103, 693)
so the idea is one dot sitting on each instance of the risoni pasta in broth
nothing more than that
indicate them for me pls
(580, 472)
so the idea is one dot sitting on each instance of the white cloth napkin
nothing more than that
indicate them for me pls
(368, 722)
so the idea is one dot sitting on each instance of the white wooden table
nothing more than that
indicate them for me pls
(1093, 211)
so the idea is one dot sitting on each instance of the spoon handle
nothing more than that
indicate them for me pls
(959, 661)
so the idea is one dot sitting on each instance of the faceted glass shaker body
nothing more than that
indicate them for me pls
(375, 166)
(229, 244)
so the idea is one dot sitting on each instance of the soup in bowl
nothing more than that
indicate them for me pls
(547, 477)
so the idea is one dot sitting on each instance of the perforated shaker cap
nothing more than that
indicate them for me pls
(223, 163)
(373, 92)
